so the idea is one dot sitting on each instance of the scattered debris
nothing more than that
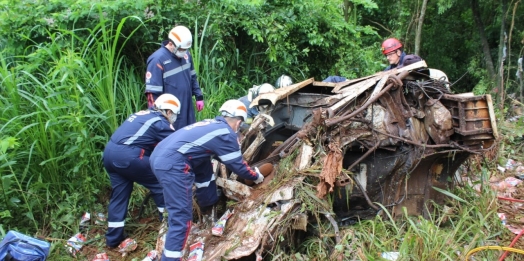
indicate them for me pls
(75, 243)
(153, 255)
(388, 138)
(101, 257)
(218, 228)
(128, 245)
(84, 221)
(390, 255)
(196, 251)
(101, 219)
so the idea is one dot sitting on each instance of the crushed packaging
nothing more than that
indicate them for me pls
(151, 256)
(100, 219)
(84, 221)
(218, 228)
(196, 251)
(101, 257)
(75, 243)
(127, 245)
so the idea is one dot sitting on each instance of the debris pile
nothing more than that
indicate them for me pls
(338, 148)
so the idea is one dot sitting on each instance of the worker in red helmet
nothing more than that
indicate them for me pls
(397, 58)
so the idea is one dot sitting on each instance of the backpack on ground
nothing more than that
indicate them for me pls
(19, 247)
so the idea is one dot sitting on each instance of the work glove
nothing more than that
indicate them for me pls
(260, 177)
(200, 105)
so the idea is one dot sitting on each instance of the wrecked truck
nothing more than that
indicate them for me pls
(343, 152)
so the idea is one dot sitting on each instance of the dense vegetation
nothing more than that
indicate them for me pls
(71, 71)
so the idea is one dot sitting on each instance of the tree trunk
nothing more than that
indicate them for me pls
(347, 6)
(418, 35)
(502, 54)
(485, 46)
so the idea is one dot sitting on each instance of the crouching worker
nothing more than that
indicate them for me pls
(126, 160)
(252, 93)
(184, 159)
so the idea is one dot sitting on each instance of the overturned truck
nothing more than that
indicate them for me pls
(347, 151)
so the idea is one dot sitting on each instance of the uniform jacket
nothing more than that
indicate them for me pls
(405, 60)
(251, 112)
(143, 129)
(167, 73)
(206, 139)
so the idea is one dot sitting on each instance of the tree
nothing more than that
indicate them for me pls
(420, 22)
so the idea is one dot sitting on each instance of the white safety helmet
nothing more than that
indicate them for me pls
(283, 81)
(438, 75)
(257, 90)
(181, 37)
(234, 108)
(168, 101)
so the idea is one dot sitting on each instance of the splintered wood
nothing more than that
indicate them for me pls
(330, 171)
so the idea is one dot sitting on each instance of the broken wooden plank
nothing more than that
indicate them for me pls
(304, 159)
(253, 147)
(379, 75)
(234, 189)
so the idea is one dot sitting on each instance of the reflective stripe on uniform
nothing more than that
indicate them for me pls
(192, 72)
(230, 156)
(205, 184)
(177, 70)
(172, 254)
(154, 88)
(142, 130)
(161, 210)
(116, 224)
(200, 141)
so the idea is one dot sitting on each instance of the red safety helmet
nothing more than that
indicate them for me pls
(390, 45)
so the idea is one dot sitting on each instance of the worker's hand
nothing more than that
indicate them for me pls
(200, 105)
(260, 177)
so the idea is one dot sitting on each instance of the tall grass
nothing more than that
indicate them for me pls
(61, 102)
(217, 73)
(450, 232)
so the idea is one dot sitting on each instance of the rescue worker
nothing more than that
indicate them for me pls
(283, 81)
(397, 58)
(184, 159)
(170, 69)
(126, 160)
(335, 79)
(251, 95)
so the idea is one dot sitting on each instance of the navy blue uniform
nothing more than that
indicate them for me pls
(167, 73)
(184, 158)
(335, 78)
(399, 64)
(405, 60)
(126, 160)
(251, 112)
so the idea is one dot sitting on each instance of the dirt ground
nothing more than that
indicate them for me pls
(143, 231)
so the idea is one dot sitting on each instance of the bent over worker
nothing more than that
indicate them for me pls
(170, 69)
(126, 160)
(252, 93)
(184, 159)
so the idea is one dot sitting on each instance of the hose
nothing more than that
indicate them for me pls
(510, 249)
(511, 245)
(503, 256)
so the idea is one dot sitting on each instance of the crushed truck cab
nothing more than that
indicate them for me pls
(344, 152)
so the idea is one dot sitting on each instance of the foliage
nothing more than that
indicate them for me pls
(61, 104)
(71, 71)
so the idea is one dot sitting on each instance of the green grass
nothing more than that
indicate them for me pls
(61, 101)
